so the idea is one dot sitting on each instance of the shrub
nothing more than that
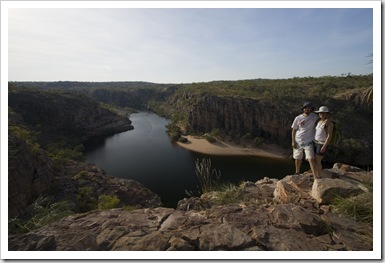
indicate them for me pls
(81, 175)
(208, 178)
(182, 140)
(210, 138)
(175, 136)
(41, 212)
(258, 140)
(129, 207)
(359, 207)
(107, 202)
(86, 199)
(226, 194)
(63, 156)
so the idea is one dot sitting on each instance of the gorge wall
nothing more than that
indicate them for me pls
(258, 108)
(239, 116)
(66, 111)
(30, 174)
(272, 120)
(34, 120)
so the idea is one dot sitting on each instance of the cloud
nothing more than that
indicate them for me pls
(181, 45)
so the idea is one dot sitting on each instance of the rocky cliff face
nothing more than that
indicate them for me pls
(66, 111)
(273, 216)
(31, 171)
(239, 116)
(271, 120)
(30, 174)
(75, 176)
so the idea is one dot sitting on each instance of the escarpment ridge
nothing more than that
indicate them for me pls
(256, 110)
(292, 214)
(72, 112)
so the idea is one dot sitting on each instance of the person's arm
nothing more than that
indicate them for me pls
(293, 143)
(329, 134)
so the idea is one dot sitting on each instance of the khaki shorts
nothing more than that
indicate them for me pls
(309, 152)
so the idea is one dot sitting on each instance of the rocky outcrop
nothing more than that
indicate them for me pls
(257, 223)
(31, 171)
(239, 116)
(33, 175)
(342, 180)
(76, 176)
(30, 174)
(72, 112)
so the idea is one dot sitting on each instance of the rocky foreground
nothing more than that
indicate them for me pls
(292, 214)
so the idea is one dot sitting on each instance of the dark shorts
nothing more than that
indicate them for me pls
(317, 149)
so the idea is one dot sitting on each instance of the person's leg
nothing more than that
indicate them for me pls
(310, 156)
(298, 156)
(313, 167)
(298, 163)
(318, 160)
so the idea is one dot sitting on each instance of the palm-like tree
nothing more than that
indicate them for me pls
(367, 96)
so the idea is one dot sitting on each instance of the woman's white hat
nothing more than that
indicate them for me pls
(323, 109)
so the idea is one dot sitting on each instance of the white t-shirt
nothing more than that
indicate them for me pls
(305, 126)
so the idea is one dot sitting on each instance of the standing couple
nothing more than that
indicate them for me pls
(311, 133)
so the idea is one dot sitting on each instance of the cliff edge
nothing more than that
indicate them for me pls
(291, 214)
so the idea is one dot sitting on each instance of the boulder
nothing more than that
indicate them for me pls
(324, 190)
(293, 188)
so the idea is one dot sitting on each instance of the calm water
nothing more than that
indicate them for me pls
(146, 155)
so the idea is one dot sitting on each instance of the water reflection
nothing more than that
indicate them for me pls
(145, 154)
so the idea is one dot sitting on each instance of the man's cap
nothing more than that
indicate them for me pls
(307, 104)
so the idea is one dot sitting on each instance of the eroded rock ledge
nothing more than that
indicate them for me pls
(274, 215)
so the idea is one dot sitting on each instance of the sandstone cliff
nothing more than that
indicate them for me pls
(265, 220)
(72, 112)
(35, 118)
(271, 120)
(30, 174)
(239, 116)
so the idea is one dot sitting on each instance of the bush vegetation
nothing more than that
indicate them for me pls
(174, 131)
(209, 178)
(86, 199)
(40, 213)
(106, 202)
(359, 207)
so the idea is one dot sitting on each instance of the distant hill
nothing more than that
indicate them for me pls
(257, 109)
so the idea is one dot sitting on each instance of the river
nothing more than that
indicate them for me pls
(147, 155)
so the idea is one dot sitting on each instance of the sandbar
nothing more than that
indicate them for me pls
(201, 145)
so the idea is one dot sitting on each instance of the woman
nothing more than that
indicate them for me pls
(323, 135)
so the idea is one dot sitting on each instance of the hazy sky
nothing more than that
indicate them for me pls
(183, 45)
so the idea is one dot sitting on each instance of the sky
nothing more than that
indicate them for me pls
(184, 45)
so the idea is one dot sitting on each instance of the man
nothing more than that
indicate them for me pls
(302, 136)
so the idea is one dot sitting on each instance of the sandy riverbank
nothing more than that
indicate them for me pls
(201, 145)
